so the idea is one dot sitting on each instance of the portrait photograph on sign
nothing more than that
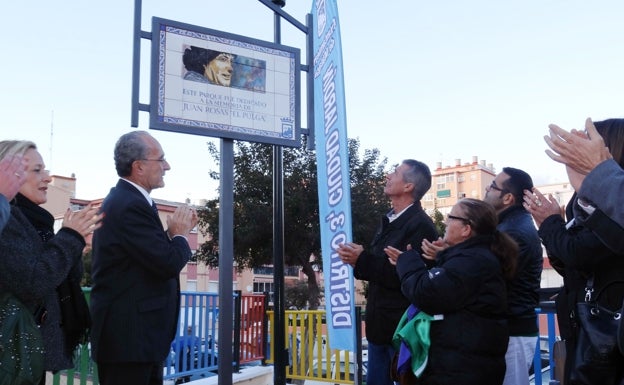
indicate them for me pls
(213, 83)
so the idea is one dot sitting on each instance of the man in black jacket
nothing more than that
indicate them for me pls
(506, 194)
(406, 224)
(135, 298)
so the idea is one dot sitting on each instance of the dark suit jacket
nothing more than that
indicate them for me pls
(136, 289)
(386, 303)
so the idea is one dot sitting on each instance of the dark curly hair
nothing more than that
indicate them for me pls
(196, 58)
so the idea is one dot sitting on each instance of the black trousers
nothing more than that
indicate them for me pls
(130, 373)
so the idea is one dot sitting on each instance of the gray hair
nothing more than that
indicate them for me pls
(129, 147)
(419, 175)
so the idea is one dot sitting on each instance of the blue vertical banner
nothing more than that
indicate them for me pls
(330, 129)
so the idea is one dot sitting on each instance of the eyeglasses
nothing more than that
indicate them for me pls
(493, 186)
(465, 220)
(161, 160)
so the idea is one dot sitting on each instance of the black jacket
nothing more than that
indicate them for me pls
(578, 253)
(467, 287)
(136, 291)
(523, 289)
(385, 303)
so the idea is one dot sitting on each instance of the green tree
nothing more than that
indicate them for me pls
(253, 211)
(296, 295)
(87, 262)
(438, 221)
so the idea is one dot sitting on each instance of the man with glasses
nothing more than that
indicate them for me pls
(406, 224)
(506, 194)
(136, 265)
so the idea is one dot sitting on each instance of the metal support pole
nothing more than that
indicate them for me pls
(136, 64)
(238, 300)
(281, 356)
(226, 261)
(311, 142)
(358, 344)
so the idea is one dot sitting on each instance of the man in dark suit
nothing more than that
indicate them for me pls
(136, 265)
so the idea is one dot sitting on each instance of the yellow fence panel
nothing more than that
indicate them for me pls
(309, 355)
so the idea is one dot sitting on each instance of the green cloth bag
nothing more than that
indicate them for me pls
(21, 344)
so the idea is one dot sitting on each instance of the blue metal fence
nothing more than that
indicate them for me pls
(194, 352)
(547, 311)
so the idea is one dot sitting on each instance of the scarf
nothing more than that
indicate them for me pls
(39, 217)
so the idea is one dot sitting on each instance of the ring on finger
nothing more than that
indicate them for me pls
(538, 203)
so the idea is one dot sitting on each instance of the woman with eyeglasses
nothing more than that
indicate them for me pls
(34, 260)
(464, 287)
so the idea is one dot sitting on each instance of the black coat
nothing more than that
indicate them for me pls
(577, 253)
(136, 291)
(32, 270)
(468, 289)
(523, 289)
(385, 303)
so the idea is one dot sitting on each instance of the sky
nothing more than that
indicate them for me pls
(430, 80)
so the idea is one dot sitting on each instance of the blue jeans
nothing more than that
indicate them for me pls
(379, 360)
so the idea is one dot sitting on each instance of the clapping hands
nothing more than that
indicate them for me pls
(183, 220)
(84, 221)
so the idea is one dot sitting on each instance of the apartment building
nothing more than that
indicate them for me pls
(451, 183)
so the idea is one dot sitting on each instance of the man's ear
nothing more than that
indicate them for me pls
(409, 187)
(137, 167)
(509, 199)
(466, 231)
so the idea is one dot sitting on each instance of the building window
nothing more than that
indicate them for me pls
(191, 285)
(261, 287)
(291, 271)
(442, 180)
(264, 270)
